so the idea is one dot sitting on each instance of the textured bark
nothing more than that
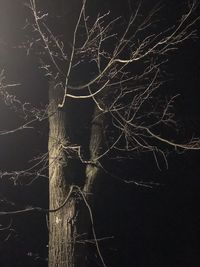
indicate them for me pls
(62, 228)
(94, 175)
(90, 188)
(96, 148)
(70, 225)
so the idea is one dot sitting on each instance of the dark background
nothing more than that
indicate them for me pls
(157, 226)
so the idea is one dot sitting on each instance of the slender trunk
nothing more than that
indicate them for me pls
(62, 228)
(96, 148)
(92, 180)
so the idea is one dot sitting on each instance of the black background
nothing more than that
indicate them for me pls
(157, 226)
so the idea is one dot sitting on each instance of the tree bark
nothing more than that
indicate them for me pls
(70, 225)
(96, 147)
(93, 179)
(62, 226)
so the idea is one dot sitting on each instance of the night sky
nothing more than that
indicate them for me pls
(151, 227)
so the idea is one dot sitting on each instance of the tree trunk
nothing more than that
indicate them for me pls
(96, 148)
(62, 227)
(69, 226)
(92, 181)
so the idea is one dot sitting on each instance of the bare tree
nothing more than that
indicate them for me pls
(128, 111)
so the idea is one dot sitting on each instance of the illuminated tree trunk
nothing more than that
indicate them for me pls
(96, 147)
(62, 227)
(69, 226)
